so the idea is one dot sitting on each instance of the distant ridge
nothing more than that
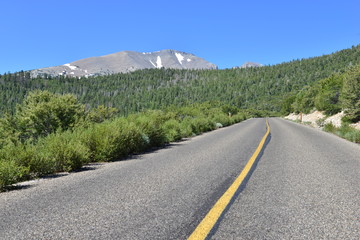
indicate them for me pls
(126, 61)
(249, 64)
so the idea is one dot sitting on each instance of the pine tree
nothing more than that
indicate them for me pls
(350, 95)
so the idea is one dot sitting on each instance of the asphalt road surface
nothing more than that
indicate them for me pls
(305, 185)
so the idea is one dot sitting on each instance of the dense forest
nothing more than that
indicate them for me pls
(338, 92)
(258, 88)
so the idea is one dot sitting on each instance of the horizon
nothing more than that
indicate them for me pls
(263, 65)
(43, 34)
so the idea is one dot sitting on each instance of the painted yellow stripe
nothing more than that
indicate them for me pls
(205, 226)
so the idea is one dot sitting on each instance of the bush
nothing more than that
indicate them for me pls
(25, 155)
(345, 131)
(149, 124)
(187, 127)
(10, 172)
(100, 114)
(87, 141)
(113, 140)
(172, 130)
(229, 109)
(43, 113)
(201, 125)
(353, 135)
(239, 117)
(223, 119)
(329, 128)
(64, 151)
(349, 133)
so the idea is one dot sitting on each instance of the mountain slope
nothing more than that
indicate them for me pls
(260, 88)
(126, 61)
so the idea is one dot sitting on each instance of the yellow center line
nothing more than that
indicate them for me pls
(205, 226)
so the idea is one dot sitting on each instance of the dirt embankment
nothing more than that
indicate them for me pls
(317, 119)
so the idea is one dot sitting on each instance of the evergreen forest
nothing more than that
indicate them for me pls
(263, 88)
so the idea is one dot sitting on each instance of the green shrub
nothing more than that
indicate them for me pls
(238, 117)
(329, 127)
(43, 113)
(113, 140)
(149, 124)
(131, 139)
(223, 119)
(349, 133)
(96, 138)
(86, 141)
(353, 136)
(10, 172)
(345, 131)
(101, 113)
(25, 155)
(202, 124)
(172, 130)
(229, 109)
(63, 150)
(187, 127)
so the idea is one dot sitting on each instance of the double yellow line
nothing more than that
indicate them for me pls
(205, 226)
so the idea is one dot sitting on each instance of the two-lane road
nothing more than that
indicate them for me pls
(305, 186)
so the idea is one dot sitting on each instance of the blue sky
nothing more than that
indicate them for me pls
(42, 33)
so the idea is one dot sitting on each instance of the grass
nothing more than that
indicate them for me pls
(345, 131)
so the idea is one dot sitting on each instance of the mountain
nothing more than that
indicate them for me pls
(259, 88)
(126, 61)
(249, 64)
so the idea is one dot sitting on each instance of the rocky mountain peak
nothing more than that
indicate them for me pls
(126, 61)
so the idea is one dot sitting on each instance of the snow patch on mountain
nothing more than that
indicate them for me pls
(152, 63)
(69, 66)
(179, 57)
(158, 62)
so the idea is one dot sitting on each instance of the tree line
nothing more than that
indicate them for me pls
(258, 88)
(338, 92)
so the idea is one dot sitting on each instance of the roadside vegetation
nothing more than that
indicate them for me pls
(51, 133)
(339, 92)
(345, 131)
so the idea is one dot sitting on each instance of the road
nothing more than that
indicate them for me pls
(305, 185)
